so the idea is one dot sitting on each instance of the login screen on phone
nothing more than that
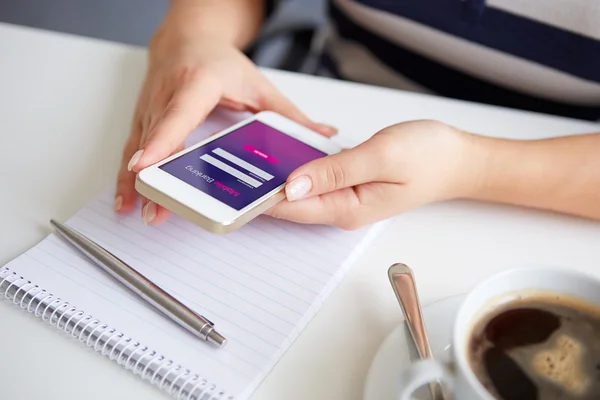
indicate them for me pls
(244, 165)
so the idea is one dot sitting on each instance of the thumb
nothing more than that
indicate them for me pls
(345, 169)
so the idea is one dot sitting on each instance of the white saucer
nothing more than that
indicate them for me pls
(397, 350)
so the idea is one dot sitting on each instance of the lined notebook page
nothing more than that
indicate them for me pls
(260, 285)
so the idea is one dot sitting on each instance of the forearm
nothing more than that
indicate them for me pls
(559, 174)
(233, 21)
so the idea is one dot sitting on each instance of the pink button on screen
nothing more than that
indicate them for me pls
(260, 154)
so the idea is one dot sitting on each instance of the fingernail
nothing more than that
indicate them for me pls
(118, 203)
(298, 188)
(331, 130)
(149, 212)
(134, 160)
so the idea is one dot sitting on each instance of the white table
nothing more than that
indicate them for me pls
(65, 106)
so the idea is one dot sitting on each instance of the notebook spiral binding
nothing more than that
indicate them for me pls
(150, 365)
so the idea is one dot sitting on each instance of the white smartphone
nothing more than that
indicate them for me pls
(230, 178)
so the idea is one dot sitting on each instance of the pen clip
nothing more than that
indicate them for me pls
(206, 319)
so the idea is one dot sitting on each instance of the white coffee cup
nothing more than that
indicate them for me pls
(461, 383)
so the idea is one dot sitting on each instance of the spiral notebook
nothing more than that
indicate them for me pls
(260, 286)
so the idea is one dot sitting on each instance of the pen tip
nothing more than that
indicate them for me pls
(215, 337)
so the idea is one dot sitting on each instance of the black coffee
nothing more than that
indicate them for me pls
(544, 347)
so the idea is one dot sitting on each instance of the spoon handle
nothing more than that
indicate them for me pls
(403, 283)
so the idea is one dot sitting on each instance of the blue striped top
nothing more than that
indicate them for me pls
(534, 55)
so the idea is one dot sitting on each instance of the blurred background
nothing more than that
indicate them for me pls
(288, 41)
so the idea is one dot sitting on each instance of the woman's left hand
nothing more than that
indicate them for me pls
(401, 167)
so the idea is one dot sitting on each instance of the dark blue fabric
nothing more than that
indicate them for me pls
(270, 6)
(472, 20)
(443, 80)
(472, 10)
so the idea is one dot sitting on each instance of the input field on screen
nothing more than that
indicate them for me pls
(230, 170)
(241, 163)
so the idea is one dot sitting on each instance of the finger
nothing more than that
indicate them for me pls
(152, 213)
(154, 109)
(273, 100)
(338, 171)
(348, 208)
(160, 94)
(324, 129)
(330, 209)
(125, 194)
(236, 105)
(186, 110)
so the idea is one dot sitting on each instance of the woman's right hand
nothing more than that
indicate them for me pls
(187, 78)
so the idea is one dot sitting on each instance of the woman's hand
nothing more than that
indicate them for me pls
(187, 77)
(401, 167)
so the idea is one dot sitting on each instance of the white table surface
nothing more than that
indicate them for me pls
(65, 107)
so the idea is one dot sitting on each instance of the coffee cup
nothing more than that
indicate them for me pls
(482, 315)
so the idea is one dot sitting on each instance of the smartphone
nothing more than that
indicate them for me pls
(232, 177)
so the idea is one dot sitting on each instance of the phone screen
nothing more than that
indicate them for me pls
(243, 165)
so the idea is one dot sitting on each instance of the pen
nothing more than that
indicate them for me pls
(140, 285)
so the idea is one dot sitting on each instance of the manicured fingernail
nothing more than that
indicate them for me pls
(134, 159)
(149, 212)
(118, 203)
(298, 188)
(331, 130)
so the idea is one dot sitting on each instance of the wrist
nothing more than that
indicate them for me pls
(509, 171)
(230, 23)
(185, 24)
(467, 168)
(476, 152)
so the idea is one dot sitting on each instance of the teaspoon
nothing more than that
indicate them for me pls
(403, 282)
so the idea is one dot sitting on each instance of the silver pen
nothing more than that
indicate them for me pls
(140, 285)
